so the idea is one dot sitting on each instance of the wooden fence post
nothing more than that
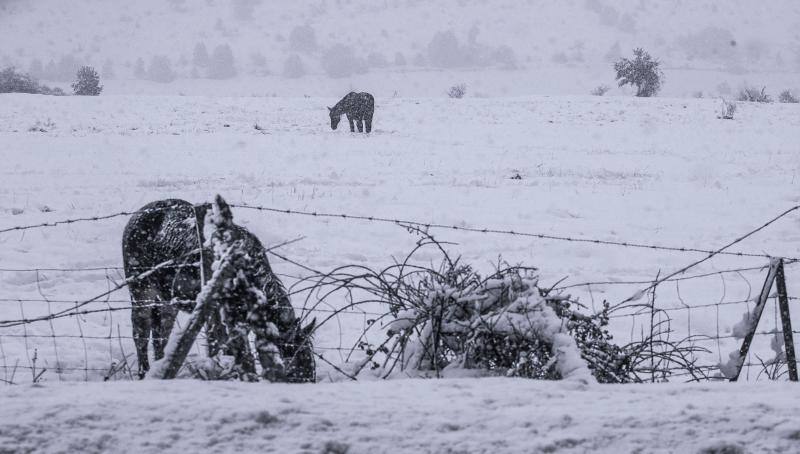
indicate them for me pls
(786, 322)
(756, 316)
(181, 341)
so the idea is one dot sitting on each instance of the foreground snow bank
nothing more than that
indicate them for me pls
(460, 415)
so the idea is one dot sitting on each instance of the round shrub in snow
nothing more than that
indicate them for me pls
(787, 96)
(445, 51)
(221, 65)
(399, 59)
(341, 61)
(303, 39)
(293, 67)
(87, 82)
(377, 60)
(502, 324)
(505, 57)
(160, 70)
(200, 56)
(138, 69)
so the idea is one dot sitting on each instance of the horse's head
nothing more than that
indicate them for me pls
(334, 118)
(299, 354)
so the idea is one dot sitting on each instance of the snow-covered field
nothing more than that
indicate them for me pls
(658, 171)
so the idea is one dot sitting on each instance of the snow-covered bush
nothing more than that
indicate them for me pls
(787, 96)
(399, 59)
(87, 82)
(107, 70)
(160, 69)
(505, 57)
(643, 72)
(445, 51)
(600, 90)
(259, 62)
(221, 64)
(293, 67)
(200, 56)
(377, 60)
(727, 110)
(457, 91)
(138, 69)
(340, 61)
(12, 81)
(753, 94)
(451, 320)
(42, 126)
(303, 39)
(502, 324)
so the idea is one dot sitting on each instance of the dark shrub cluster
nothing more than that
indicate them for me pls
(12, 81)
(753, 94)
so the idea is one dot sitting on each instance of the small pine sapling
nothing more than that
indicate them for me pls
(87, 82)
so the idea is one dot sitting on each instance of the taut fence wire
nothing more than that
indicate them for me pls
(62, 336)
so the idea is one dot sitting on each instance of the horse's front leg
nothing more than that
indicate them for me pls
(240, 348)
(141, 321)
(163, 320)
(352, 127)
(216, 335)
(360, 124)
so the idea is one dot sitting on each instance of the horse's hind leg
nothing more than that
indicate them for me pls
(141, 320)
(360, 125)
(368, 124)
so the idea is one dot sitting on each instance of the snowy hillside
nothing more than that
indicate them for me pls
(406, 48)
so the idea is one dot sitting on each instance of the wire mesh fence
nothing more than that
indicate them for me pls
(55, 337)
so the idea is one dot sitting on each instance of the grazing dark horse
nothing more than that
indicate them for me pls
(358, 107)
(173, 230)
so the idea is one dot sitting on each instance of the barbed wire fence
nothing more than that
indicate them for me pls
(60, 336)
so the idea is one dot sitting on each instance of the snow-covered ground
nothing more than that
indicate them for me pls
(401, 416)
(662, 171)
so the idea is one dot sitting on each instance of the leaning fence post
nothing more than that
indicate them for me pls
(786, 322)
(181, 341)
(756, 316)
